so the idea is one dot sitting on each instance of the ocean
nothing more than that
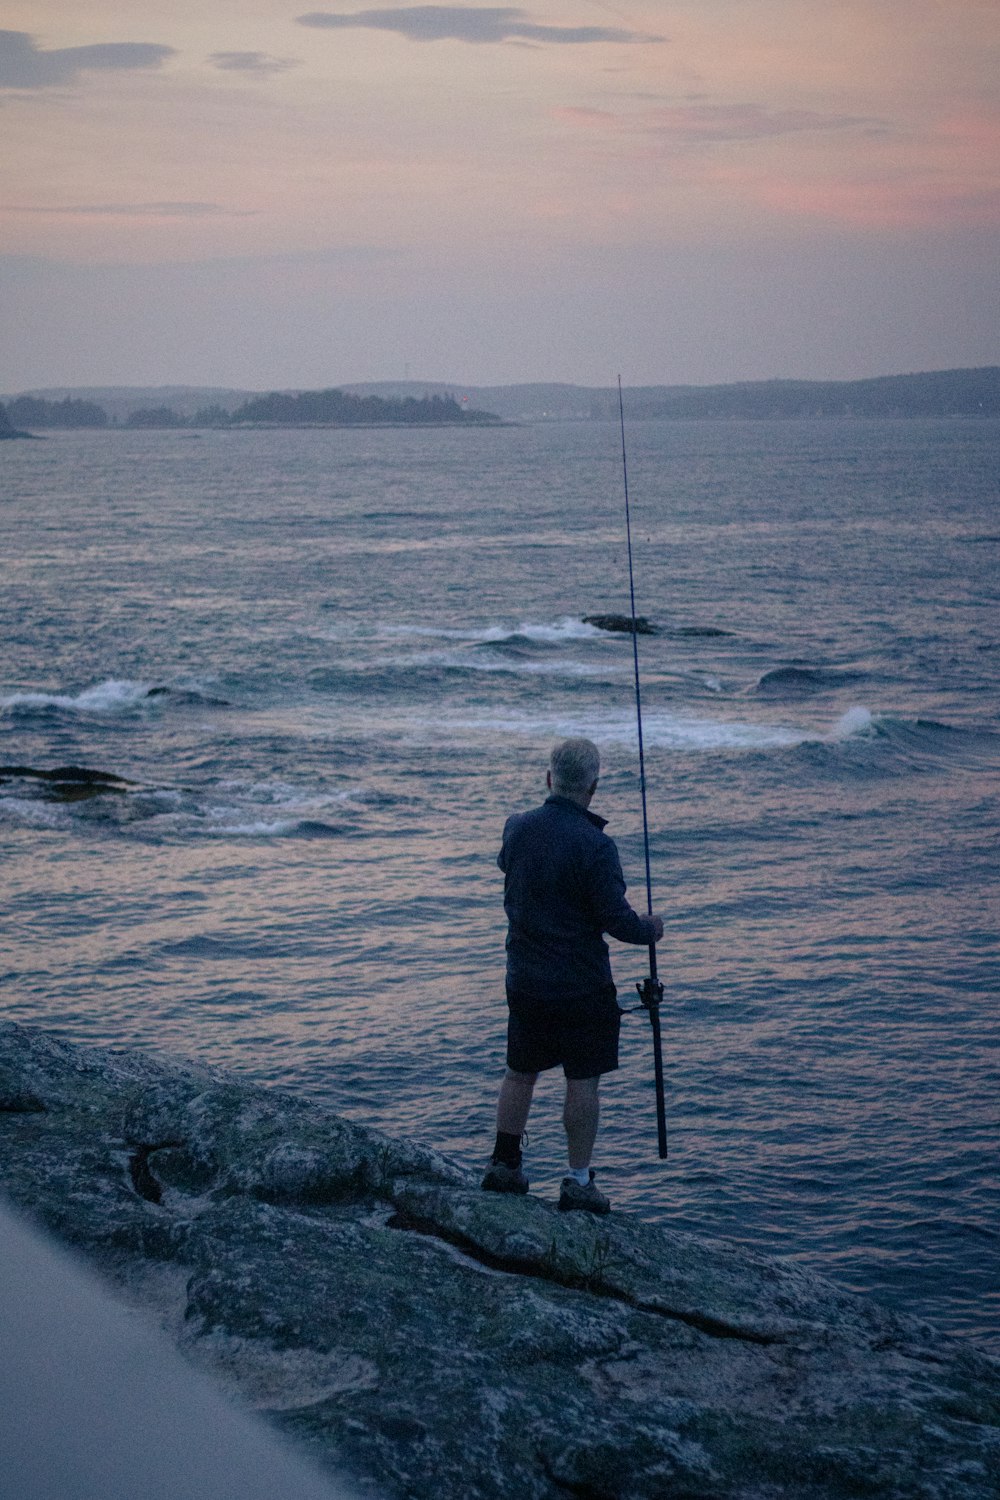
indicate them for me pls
(320, 667)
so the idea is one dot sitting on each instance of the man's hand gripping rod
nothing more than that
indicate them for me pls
(650, 989)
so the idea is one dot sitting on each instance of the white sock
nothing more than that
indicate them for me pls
(581, 1174)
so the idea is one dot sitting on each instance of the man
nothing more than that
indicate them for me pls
(563, 889)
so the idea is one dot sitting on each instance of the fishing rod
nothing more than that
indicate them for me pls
(650, 989)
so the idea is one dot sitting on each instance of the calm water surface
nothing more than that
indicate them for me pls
(330, 663)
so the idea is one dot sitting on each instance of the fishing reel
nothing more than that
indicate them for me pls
(650, 992)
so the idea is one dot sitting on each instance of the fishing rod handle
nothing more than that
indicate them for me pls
(661, 1108)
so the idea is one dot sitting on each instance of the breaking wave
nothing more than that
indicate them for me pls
(661, 730)
(553, 632)
(113, 696)
(116, 695)
(78, 798)
(799, 681)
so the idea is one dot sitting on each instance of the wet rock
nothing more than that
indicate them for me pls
(436, 1341)
(624, 623)
(66, 783)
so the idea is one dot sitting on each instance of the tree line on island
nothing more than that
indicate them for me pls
(939, 393)
(30, 411)
(332, 408)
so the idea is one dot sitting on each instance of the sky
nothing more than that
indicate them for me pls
(247, 193)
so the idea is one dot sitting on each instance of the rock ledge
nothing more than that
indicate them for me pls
(435, 1341)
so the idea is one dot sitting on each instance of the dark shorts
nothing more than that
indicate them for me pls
(581, 1035)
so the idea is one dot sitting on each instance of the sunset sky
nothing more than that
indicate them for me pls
(249, 193)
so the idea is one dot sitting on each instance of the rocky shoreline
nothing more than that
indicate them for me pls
(429, 1340)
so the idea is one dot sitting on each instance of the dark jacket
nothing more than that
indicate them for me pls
(563, 889)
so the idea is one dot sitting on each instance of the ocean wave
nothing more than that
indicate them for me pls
(270, 809)
(663, 729)
(258, 828)
(115, 695)
(555, 632)
(294, 796)
(194, 695)
(264, 828)
(856, 721)
(932, 742)
(551, 632)
(487, 659)
(798, 681)
(28, 812)
(238, 808)
(545, 633)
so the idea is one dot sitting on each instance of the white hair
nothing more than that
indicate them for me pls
(574, 766)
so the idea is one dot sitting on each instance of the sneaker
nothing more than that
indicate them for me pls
(500, 1178)
(589, 1199)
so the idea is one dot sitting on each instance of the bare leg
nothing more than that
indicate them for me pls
(515, 1102)
(581, 1115)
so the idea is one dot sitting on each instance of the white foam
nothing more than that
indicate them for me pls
(554, 632)
(104, 697)
(270, 793)
(257, 830)
(566, 629)
(661, 730)
(290, 798)
(857, 720)
(28, 813)
(668, 731)
(166, 799)
(267, 809)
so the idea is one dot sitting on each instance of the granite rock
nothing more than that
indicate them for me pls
(431, 1340)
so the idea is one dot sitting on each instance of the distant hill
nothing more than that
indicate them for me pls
(941, 393)
(938, 393)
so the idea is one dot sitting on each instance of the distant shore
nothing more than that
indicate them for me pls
(941, 393)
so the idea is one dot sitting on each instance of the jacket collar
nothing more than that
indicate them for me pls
(575, 806)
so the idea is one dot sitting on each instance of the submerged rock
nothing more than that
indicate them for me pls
(436, 1341)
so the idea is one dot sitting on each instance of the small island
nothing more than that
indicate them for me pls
(7, 429)
(329, 408)
(337, 408)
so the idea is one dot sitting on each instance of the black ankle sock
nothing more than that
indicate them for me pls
(507, 1149)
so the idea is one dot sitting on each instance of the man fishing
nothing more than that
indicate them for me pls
(563, 889)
